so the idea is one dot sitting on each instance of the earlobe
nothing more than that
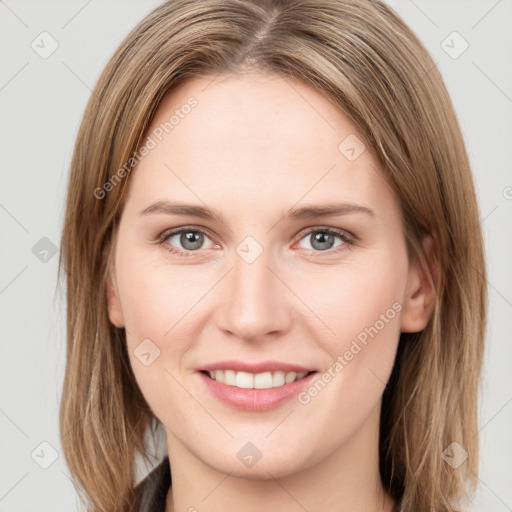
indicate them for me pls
(420, 298)
(115, 313)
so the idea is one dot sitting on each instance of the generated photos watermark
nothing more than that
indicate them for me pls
(342, 360)
(156, 136)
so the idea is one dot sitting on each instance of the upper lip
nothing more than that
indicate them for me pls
(263, 366)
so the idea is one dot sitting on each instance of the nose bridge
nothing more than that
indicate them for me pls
(255, 302)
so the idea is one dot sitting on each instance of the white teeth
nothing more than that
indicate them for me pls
(277, 379)
(263, 380)
(244, 380)
(229, 377)
(290, 377)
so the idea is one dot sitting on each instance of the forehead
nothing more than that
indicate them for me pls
(264, 139)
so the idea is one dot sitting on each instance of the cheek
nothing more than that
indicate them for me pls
(160, 305)
(360, 308)
(362, 355)
(356, 296)
(157, 297)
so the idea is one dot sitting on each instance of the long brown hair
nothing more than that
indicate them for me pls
(364, 58)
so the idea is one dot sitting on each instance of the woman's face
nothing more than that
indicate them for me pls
(257, 276)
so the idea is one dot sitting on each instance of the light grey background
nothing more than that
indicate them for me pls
(42, 100)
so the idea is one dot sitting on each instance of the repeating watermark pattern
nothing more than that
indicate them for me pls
(44, 45)
(44, 250)
(146, 352)
(454, 45)
(44, 455)
(341, 361)
(455, 455)
(157, 135)
(249, 249)
(249, 455)
(351, 147)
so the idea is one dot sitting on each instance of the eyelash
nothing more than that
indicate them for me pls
(349, 240)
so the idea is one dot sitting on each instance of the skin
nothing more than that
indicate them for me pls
(253, 147)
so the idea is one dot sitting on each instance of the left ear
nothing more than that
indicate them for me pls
(420, 297)
(115, 312)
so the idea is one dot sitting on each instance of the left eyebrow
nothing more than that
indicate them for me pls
(303, 212)
(326, 210)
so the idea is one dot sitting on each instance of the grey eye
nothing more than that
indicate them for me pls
(189, 240)
(322, 240)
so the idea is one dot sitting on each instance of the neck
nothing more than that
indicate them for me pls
(347, 480)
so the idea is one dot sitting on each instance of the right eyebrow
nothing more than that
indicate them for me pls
(192, 210)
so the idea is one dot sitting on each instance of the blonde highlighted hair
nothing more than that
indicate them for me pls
(362, 56)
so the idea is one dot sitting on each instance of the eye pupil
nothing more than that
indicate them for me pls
(193, 237)
(324, 239)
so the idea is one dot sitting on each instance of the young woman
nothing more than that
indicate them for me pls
(272, 250)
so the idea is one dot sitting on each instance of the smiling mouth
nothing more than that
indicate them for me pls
(246, 380)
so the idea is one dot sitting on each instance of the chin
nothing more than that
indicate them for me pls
(260, 459)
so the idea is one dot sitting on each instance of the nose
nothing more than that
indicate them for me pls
(254, 301)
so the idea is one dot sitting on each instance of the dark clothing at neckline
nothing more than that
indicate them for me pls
(152, 491)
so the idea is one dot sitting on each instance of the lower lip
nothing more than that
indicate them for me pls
(255, 399)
